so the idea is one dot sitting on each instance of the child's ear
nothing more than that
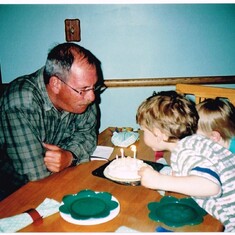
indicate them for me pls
(160, 135)
(215, 136)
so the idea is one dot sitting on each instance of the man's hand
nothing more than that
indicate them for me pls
(57, 159)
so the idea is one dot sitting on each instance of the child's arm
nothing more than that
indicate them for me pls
(190, 185)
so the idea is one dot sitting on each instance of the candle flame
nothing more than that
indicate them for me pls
(133, 147)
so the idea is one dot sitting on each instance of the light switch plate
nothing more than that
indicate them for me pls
(72, 30)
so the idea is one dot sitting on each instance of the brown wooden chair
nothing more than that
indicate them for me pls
(202, 92)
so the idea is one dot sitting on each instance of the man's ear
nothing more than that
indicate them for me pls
(215, 136)
(55, 84)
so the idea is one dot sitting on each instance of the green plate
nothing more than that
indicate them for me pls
(176, 212)
(88, 204)
(89, 207)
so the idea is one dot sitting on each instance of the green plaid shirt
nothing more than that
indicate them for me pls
(28, 118)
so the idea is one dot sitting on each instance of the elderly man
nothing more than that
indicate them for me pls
(48, 119)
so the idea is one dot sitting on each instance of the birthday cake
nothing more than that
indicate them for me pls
(124, 169)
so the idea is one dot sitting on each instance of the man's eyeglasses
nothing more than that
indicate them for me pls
(82, 92)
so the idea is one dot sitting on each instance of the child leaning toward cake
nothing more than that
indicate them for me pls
(202, 169)
(216, 121)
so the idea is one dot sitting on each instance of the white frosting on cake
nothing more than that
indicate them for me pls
(125, 168)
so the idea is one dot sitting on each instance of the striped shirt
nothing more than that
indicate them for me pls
(198, 155)
(28, 118)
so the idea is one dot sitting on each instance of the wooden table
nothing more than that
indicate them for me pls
(133, 199)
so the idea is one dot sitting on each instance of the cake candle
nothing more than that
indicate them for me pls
(122, 152)
(133, 148)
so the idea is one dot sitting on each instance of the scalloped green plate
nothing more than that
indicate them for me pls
(176, 212)
(88, 207)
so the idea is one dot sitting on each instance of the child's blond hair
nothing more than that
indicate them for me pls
(171, 112)
(217, 115)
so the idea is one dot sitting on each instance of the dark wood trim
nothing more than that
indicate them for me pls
(148, 82)
(144, 82)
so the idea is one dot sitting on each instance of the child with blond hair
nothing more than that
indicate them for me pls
(217, 121)
(202, 168)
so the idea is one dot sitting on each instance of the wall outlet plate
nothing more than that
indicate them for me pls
(72, 30)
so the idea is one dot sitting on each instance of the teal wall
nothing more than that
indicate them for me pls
(131, 40)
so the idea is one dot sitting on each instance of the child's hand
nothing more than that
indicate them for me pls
(149, 177)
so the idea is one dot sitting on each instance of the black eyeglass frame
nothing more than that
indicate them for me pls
(100, 88)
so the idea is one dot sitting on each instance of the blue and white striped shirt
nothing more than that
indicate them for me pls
(198, 155)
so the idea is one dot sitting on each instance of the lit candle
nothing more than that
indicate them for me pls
(122, 152)
(133, 148)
